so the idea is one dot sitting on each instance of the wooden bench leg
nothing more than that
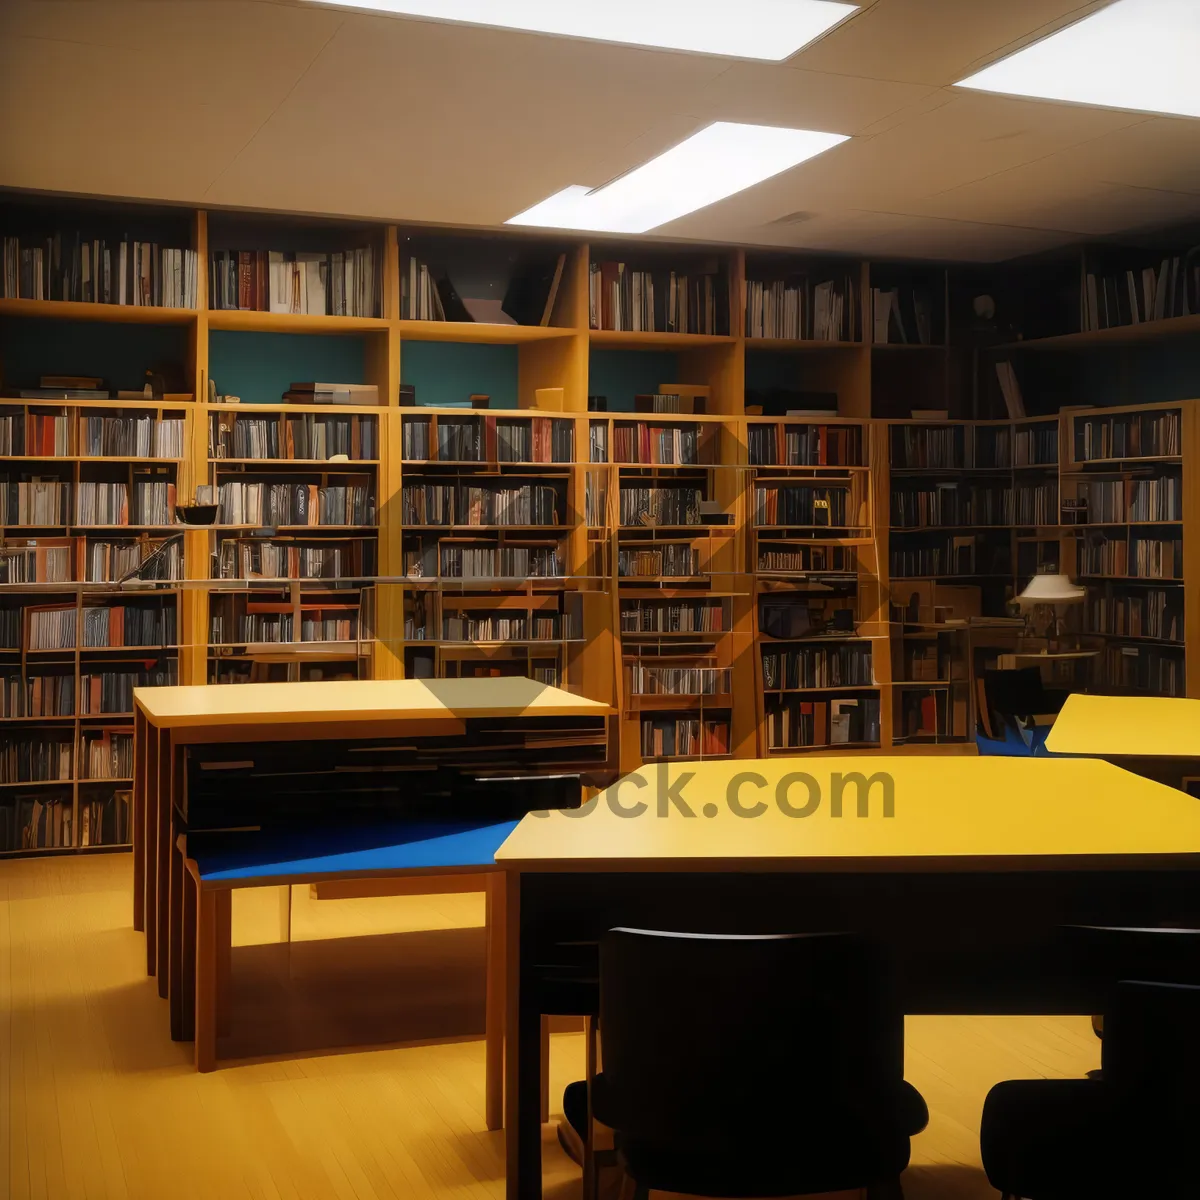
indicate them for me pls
(187, 964)
(494, 1011)
(224, 959)
(206, 980)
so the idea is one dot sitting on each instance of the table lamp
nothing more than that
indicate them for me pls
(1049, 592)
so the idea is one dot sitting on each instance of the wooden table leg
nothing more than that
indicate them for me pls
(206, 980)
(174, 970)
(138, 820)
(523, 1129)
(162, 841)
(224, 959)
(187, 983)
(150, 849)
(494, 1012)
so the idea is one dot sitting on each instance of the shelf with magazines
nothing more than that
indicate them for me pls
(491, 545)
(811, 556)
(68, 669)
(1124, 507)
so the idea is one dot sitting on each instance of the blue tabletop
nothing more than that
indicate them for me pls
(386, 847)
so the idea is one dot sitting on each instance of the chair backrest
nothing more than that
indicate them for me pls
(1103, 955)
(707, 1039)
(1151, 1053)
(1017, 692)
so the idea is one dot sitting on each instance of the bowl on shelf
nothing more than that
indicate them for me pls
(196, 514)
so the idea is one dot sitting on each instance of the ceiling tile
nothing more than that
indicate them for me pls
(934, 41)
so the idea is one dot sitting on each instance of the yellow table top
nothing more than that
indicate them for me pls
(338, 701)
(1159, 726)
(984, 813)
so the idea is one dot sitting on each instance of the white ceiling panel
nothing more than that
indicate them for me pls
(281, 104)
(934, 41)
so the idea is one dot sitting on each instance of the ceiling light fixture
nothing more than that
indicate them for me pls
(770, 30)
(1134, 54)
(716, 162)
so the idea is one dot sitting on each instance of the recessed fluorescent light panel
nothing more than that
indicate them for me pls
(770, 30)
(720, 160)
(1136, 54)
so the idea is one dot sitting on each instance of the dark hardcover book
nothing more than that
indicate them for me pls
(532, 291)
(452, 304)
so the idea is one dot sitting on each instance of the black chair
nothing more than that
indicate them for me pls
(1129, 1132)
(753, 1066)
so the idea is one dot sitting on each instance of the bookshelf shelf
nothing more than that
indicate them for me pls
(617, 339)
(247, 321)
(74, 310)
(1144, 331)
(480, 333)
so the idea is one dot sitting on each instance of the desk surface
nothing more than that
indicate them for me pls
(1157, 726)
(338, 701)
(981, 813)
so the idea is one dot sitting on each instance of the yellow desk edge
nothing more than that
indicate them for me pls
(1136, 726)
(337, 701)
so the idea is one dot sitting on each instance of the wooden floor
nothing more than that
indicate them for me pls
(96, 1101)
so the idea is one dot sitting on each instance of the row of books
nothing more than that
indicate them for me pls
(801, 308)
(95, 271)
(1152, 669)
(107, 562)
(274, 504)
(673, 559)
(595, 501)
(464, 504)
(679, 681)
(493, 627)
(939, 713)
(839, 664)
(41, 821)
(106, 755)
(1131, 297)
(47, 502)
(1036, 445)
(341, 284)
(950, 556)
(660, 505)
(598, 442)
(37, 757)
(1132, 500)
(111, 691)
(1128, 435)
(665, 445)
(931, 447)
(432, 561)
(805, 445)
(278, 627)
(1145, 612)
(146, 624)
(37, 695)
(140, 435)
(951, 504)
(303, 436)
(254, 558)
(902, 316)
(656, 301)
(489, 439)
(803, 724)
(682, 616)
(993, 446)
(35, 434)
(802, 560)
(684, 737)
(105, 820)
(1138, 557)
(798, 505)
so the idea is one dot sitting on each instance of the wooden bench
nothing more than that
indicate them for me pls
(360, 860)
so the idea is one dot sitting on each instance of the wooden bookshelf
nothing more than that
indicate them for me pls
(611, 627)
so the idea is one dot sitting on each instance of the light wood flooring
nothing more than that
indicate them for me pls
(96, 1101)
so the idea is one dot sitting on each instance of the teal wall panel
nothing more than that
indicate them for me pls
(622, 374)
(446, 374)
(260, 367)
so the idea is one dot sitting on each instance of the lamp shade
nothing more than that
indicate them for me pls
(1051, 589)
